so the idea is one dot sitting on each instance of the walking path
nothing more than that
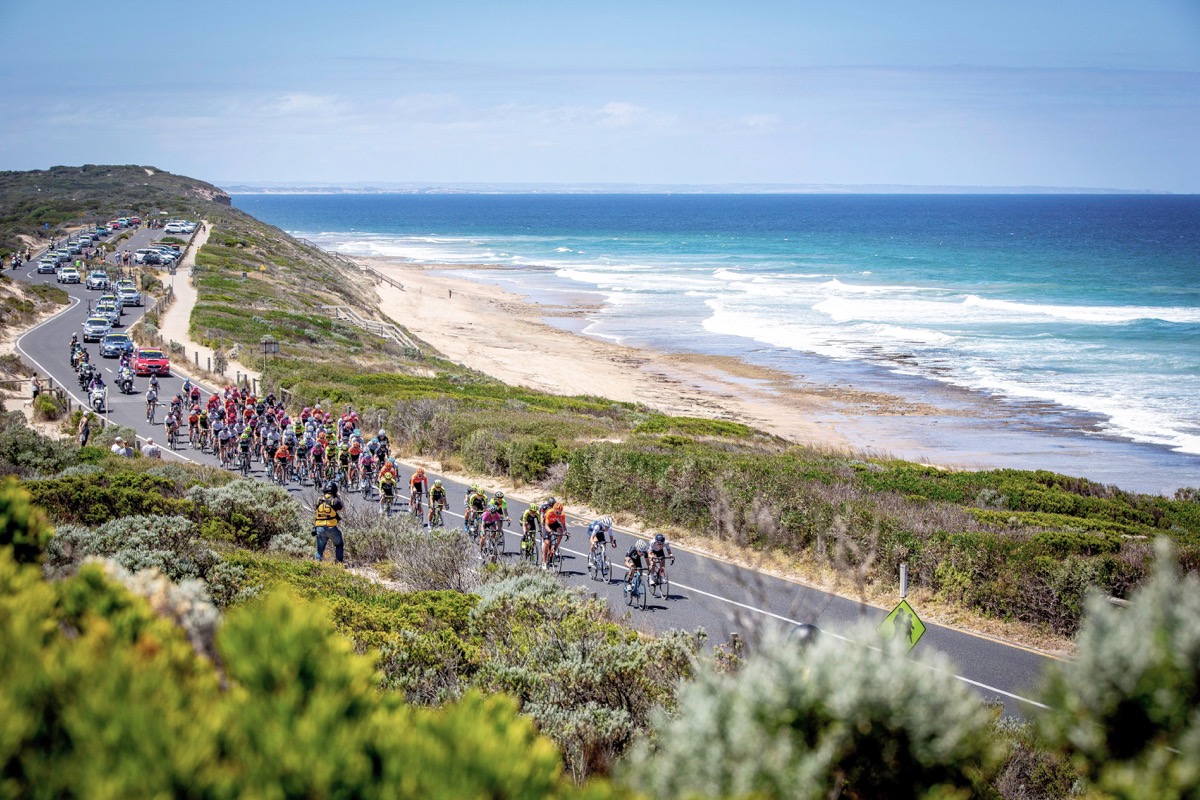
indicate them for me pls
(173, 323)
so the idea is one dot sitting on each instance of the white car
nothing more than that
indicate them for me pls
(68, 275)
(174, 229)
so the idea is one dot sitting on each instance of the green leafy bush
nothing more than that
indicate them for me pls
(247, 512)
(27, 453)
(24, 531)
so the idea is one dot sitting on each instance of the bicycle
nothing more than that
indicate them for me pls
(491, 548)
(599, 567)
(279, 474)
(416, 507)
(244, 461)
(529, 546)
(173, 437)
(556, 557)
(471, 525)
(151, 407)
(385, 501)
(660, 584)
(435, 515)
(635, 588)
(368, 484)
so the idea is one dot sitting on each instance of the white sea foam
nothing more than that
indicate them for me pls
(1097, 314)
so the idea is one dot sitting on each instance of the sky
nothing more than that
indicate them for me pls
(1099, 94)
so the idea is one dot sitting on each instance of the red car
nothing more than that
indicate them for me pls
(147, 361)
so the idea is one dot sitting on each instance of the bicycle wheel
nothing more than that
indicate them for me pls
(630, 582)
(605, 567)
(558, 558)
(643, 591)
(593, 565)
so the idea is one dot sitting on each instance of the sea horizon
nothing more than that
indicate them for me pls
(1065, 324)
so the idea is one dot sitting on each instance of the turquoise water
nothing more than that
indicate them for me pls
(1088, 306)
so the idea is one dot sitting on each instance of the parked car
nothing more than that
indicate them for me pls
(98, 279)
(113, 345)
(173, 228)
(96, 328)
(68, 275)
(147, 361)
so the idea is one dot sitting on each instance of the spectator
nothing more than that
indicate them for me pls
(85, 429)
(151, 450)
(36, 385)
(119, 448)
(325, 524)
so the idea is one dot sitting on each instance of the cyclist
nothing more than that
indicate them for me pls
(437, 500)
(417, 487)
(554, 530)
(492, 522)
(529, 528)
(601, 531)
(171, 423)
(244, 445)
(282, 456)
(475, 504)
(387, 491)
(193, 424)
(203, 424)
(635, 560)
(382, 439)
(151, 402)
(660, 551)
(502, 504)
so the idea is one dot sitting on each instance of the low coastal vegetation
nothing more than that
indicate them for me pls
(164, 630)
(153, 644)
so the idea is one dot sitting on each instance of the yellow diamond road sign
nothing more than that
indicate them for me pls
(903, 624)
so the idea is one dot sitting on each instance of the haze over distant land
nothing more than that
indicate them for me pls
(869, 94)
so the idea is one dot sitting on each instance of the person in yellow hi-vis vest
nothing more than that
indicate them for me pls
(325, 524)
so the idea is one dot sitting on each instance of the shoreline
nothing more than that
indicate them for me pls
(831, 406)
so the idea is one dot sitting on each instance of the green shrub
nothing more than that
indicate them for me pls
(168, 544)
(828, 719)
(247, 512)
(97, 498)
(1126, 711)
(24, 531)
(26, 452)
(48, 407)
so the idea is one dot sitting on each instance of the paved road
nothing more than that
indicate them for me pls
(705, 592)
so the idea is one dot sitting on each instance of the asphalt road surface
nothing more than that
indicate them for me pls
(705, 592)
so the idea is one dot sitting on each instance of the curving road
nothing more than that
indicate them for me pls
(706, 592)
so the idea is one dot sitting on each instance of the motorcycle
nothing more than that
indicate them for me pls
(96, 400)
(125, 383)
(85, 375)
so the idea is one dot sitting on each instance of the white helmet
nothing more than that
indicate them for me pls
(606, 523)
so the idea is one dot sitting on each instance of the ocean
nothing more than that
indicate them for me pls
(1070, 315)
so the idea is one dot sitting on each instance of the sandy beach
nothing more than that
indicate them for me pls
(512, 339)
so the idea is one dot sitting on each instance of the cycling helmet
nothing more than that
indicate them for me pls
(438, 482)
(382, 432)
(642, 547)
(493, 507)
(500, 495)
(658, 537)
(558, 506)
(551, 500)
(331, 488)
(420, 470)
(606, 522)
